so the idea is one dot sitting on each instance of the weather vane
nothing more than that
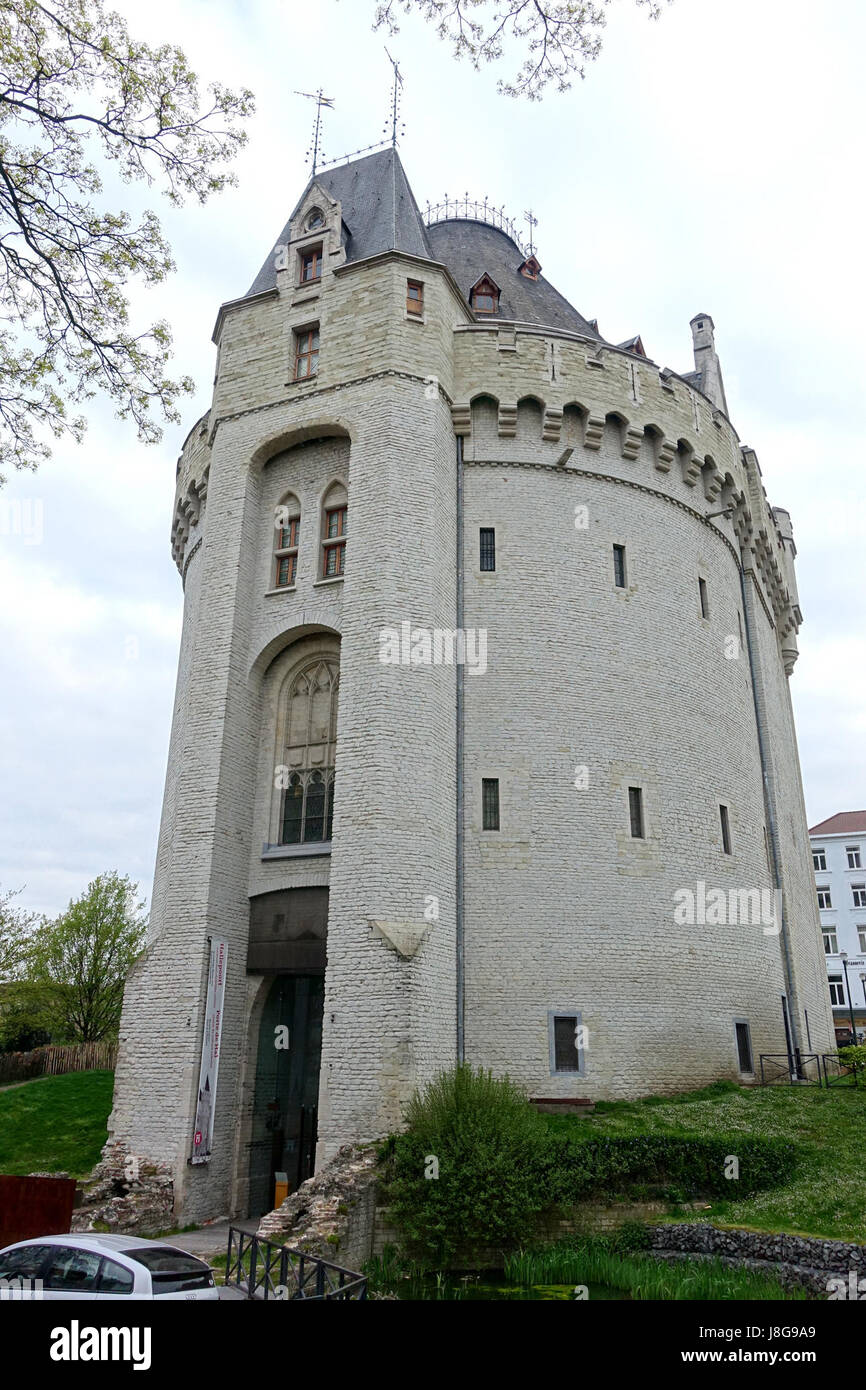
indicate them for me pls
(320, 100)
(396, 93)
(533, 222)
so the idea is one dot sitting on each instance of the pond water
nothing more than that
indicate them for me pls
(487, 1288)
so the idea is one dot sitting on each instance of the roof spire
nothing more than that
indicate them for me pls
(533, 222)
(320, 100)
(396, 96)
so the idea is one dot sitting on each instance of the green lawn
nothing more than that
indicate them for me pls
(56, 1124)
(828, 1194)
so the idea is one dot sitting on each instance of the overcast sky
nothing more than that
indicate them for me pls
(709, 162)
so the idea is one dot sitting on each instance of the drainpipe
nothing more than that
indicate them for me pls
(458, 909)
(787, 969)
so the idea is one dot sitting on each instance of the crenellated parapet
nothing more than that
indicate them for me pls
(193, 469)
(589, 401)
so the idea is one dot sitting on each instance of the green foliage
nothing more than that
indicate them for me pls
(501, 1163)
(490, 1147)
(80, 961)
(16, 927)
(853, 1057)
(600, 1261)
(692, 1164)
(78, 89)
(26, 1017)
(56, 1124)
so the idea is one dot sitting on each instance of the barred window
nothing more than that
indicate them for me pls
(487, 546)
(490, 803)
(311, 743)
(564, 1036)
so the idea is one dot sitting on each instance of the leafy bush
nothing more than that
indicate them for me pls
(476, 1165)
(492, 1151)
(693, 1164)
(853, 1057)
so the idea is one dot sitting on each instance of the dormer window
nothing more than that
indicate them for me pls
(315, 220)
(484, 296)
(530, 268)
(311, 264)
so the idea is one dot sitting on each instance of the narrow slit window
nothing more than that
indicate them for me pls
(619, 566)
(414, 298)
(744, 1048)
(635, 812)
(726, 829)
(487, 544)
(704, 597)
(490, 803)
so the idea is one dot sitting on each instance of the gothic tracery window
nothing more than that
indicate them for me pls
(306, 813)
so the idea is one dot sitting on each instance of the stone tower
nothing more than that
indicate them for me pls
(482, 742)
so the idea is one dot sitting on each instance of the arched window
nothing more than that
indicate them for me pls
(335, 515)
(287, 525)
(307, 807)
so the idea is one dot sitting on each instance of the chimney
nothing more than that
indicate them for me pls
(707, 361)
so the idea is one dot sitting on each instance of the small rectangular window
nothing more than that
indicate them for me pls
(311, 264)
(861, 936)
(744, 1048)
(490, 803)
(837, 991)
(306, 353)
(853, 853)
(487, 545)
(859, 892)
(564, 1042)
(831, 943)
(726, 829)
(824, 899)
(635, 812)
(819, 860)
(414, 297)
(619, 566)
(705, 602)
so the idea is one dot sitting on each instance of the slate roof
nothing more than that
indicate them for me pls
(843, 823)
(380, 214)
(469, 249)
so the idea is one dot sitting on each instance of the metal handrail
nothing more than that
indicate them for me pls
(474, 210)
(263, 1270)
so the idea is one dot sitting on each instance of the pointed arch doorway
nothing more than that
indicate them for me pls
(284, 1127)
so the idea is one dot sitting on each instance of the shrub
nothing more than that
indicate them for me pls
(493, 1155)
(853, 1057)
(476, 1165)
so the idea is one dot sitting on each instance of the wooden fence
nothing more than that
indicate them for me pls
(54, 1060)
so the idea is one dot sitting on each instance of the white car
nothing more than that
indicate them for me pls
(97, 1267)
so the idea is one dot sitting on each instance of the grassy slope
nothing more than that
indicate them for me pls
(828, 1195)
(55, 1124)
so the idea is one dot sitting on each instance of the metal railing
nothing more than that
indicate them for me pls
(807, 1069)
(782, 1068)
(476, 210)
(262, 1270)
